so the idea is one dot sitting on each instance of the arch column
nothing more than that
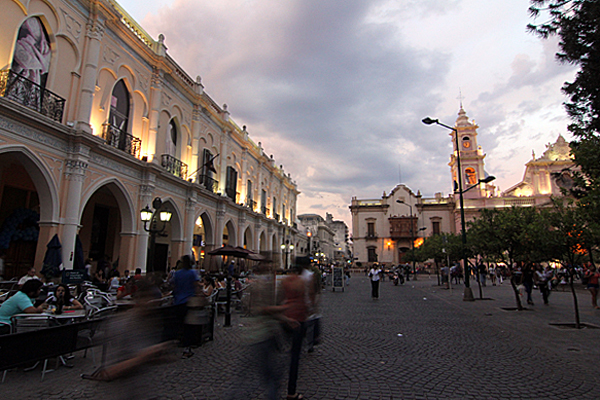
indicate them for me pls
(190, 222)
(141, 258)
(127, 251)
(154, 118)
(94, 34)
(74, 174)
(47, 231)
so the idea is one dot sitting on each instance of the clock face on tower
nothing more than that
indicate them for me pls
(466, 142)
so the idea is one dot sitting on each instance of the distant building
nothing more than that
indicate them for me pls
(327, 238)
(383, 229)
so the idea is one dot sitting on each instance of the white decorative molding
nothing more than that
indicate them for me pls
(72, 26)
(109, 55)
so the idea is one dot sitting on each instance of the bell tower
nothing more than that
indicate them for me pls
(471, 157)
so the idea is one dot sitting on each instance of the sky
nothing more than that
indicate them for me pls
(336, 89)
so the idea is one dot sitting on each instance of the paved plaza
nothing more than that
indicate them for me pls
(417, 341)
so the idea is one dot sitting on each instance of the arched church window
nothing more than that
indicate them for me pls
(470, 176)
(32, 52)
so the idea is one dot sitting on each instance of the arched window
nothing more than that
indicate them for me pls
(171, 145)
(118, 119)
(32, 52)
(470, 176)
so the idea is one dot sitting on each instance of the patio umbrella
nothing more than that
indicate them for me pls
(52, 258)
(229, 251)
(79, 261)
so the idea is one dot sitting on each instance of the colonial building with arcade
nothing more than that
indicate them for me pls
(96, 122)
(385, 229)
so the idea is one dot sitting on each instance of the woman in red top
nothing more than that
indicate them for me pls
(296, 311)
(592, 284)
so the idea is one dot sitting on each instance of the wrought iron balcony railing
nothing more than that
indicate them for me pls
(31, 95)
(371, 236)
(231, 193)
(276, 216)
(121, 140)
(250, 203)
(209, 183)
(174, 166)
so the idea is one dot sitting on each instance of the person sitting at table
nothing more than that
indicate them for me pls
(208, 286)
(62, 299)
(128, 289)
(115, 282)
(21, 302)
(99, 277)
(30, 275)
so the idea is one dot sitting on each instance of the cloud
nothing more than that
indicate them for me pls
(336, 93)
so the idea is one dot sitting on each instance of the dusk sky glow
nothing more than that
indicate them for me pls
(336, 90)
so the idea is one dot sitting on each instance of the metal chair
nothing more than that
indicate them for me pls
(96, 300)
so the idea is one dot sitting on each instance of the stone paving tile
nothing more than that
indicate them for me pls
(417, 341)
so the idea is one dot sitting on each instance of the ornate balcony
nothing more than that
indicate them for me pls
(121, 140)
(371, 236)
(250, 203)
(276, 216)
(31, 95)
(209, 183)
(403, 227)
(174, 166)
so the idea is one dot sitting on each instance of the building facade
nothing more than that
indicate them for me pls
(385, 229)
(96, 121)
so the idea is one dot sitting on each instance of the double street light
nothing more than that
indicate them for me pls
(161, 215)
(468, 293)
(287, 249)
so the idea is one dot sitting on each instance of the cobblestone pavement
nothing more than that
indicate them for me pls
(417, 341)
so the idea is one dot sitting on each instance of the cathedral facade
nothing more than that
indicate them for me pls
(385, 229)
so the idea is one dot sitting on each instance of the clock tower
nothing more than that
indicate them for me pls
(471, 158)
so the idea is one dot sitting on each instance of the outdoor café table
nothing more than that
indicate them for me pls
(65, 317)
(124, 304)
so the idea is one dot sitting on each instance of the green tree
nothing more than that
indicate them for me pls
(572, 240)
(576, 24)
(516, 236)
(441, 249)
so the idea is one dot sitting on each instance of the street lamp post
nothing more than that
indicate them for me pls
(147, 215)
(468, 293)
(412, 238)
(287, 248)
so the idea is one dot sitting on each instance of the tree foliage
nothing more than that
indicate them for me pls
(576, 23)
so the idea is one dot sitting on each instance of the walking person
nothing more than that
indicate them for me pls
(542, 279)
(296, 313)
(528, 273)
(185, 284)
(374, 274)
(592, 276)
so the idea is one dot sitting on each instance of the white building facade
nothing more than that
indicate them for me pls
(96, 121)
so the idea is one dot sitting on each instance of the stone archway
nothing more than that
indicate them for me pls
(203, 240)
(29, 193)
(107, 225)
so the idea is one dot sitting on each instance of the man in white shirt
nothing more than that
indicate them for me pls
(30, 275)
(375, 274)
